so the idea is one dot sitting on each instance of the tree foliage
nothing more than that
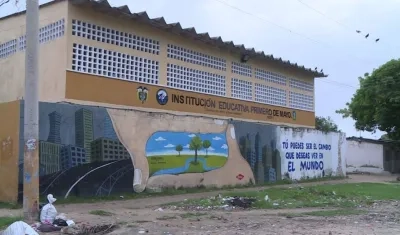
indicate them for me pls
(195, 145)
(179, 148)
(206, 145)
(325, 124)
(376, 104)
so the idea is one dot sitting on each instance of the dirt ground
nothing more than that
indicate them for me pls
(141, 216)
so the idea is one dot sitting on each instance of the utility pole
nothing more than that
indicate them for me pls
(31, 114)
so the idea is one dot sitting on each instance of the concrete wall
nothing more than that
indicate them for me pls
(139, 150)
(9, 142)
(364, 157)
(308, 153)
(52, 58)
(138, 28)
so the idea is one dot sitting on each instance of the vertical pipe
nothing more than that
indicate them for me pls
(31, 114)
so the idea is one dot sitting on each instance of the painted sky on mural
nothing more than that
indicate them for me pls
(164, 143)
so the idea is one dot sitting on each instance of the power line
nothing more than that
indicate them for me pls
(298, 34)
(284, 28)
(336, 21)
(270, 22)
(323, 14)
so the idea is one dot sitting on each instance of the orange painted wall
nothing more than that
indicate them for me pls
(9, 147)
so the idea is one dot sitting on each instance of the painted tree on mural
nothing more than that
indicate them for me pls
(375, 105)
(179, 149)
(206, 145)
(195, 145)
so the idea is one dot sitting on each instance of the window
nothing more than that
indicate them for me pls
(241, 69)
(270, 77)
(115, 37)
(301, 85)
(301, 101)
(241, 89)
(195, 80)
(270, 95)
(113, 64)
(47, 33)
(8, 48)
(194, 57)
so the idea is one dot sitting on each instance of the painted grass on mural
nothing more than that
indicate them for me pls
(175, 164)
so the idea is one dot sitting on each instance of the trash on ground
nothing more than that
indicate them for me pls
(159, 209)
(240, 201)
(86, 229)
(18, 228)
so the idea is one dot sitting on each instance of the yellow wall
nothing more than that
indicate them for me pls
(94, 88)
(56, 55)
(9, 147)
(137, 28)
(52, 59)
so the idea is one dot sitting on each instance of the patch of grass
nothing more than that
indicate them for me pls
(101, 213)
(6, 205)
(167, 217)
(174, 191)
(339, 195)
(142, 221)
(6, 221)
(338, 212)
(191, 214)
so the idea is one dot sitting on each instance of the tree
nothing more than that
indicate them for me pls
(384, 137)
(376, 104)
(325, 124)
(179, 148)
(206, 145)
(195, 145)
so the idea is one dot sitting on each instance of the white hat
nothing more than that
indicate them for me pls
(51, 199)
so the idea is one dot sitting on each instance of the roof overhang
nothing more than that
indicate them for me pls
(105, 7)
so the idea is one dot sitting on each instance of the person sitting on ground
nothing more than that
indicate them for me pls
(49, 212)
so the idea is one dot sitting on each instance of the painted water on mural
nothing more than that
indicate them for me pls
(182, 152)
(79, 141)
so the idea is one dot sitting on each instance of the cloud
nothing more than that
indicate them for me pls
(186, 146)
(217, 138)
(160, 139)
(169, 146)
(224, 146)
(192, 135)
(210, 149)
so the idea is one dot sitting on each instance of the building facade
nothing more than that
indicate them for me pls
(126, 98)
(104, 149)
(93, 56)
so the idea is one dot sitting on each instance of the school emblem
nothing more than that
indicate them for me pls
(142, 94)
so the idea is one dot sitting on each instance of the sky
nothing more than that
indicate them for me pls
(322, 36)
(165, 142)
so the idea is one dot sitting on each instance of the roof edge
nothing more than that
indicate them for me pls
(160, 23)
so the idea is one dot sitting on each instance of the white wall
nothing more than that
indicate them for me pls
(308, 153)
(364, 157)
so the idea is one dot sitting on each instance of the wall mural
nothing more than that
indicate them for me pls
(74, 140)
(172, 153)
(94, 151)
(257, 143)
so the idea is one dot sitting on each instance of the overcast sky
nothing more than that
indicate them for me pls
(293, 31)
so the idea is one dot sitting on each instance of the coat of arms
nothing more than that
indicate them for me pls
(142, 93)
